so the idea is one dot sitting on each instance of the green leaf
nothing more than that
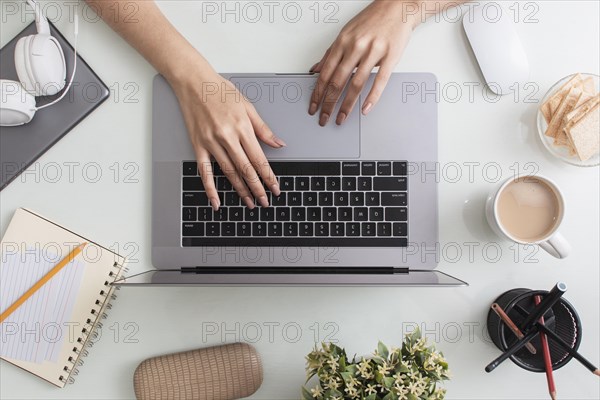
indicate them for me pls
(371, 397)
(382, 350)
(306, 394)
(391, 396)
(352, 368)
(388, 382)
(346, 376)
(377, 360)
(342, 363)
(331, 393)
(416, 334)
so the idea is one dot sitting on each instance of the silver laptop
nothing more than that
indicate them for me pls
(359, 203)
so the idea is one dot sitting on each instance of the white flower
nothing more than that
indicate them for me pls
(384, 369)
(363, 368)
(398, 378)
(316, 392)
(415, 388)
(371, 388)
(352, 392)
(401, 391)
(333, 383)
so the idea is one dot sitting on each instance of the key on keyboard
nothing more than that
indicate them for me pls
(345, 203)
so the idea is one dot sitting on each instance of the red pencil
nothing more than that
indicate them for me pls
(547, 357)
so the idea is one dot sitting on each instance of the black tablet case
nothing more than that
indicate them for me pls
(21, 145)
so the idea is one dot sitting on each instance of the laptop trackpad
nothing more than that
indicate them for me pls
(282, 101)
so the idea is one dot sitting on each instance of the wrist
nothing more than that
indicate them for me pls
(188, 67)
(409, 11)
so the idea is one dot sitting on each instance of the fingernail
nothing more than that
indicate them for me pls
(367, 108)
(263, 201)
(312, 69)
(324, 119)
(275, 189)
(341, 118)
(280, 142)
(215, 202)
(249, 202)
(313, 108)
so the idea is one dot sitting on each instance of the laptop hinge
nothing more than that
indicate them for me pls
(297, 270)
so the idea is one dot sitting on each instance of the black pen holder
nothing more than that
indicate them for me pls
(561, 318)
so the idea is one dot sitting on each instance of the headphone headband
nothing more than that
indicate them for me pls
(41, 22)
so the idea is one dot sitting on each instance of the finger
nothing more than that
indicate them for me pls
(208, 178)
(246, 170)
(261, 164)
(336, 87)
(327, 71)
(355, 88)
(262, 130)
(318, 66)
(231, 172)
(381, 80)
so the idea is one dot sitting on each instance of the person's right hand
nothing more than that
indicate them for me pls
(224, 124)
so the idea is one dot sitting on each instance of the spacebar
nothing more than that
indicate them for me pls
(295, 241)
(297, 168)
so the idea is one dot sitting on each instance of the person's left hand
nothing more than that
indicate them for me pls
(375, 37)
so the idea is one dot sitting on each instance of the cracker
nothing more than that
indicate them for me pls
(549, 107)
(581, 109)
(585, 134)
(565, 106)
(588, 86)
(562, 138)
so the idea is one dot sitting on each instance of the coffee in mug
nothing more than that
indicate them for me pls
(529, 210)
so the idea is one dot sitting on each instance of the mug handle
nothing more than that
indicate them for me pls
(557, 246)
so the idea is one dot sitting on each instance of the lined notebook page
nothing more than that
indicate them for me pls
(35, 331)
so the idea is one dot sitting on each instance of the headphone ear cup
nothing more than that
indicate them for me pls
(45, 67)
(22, 64)
(17, 107)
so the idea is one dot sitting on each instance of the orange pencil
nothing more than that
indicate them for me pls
(42, 281)
(514, 328)
(547, 358)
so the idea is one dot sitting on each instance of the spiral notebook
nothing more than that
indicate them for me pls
(49, 333)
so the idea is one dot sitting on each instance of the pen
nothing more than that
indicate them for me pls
(509, 322)
(547, 357)
(547, 302)
(511, 350)
(566, 347)
(42, 281)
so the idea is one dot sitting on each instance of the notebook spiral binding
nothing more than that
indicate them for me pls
(89, 331)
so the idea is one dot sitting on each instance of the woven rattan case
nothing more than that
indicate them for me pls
(226, 372)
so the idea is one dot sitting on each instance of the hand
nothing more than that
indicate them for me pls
(222, 123)
(375, 37)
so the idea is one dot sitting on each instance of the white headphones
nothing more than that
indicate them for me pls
(41, 68)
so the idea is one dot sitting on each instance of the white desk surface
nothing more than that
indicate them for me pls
(116, 211)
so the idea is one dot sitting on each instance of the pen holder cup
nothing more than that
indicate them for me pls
(562, 319)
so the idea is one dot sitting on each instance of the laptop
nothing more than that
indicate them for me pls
(359, 203)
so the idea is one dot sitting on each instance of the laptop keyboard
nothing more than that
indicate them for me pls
(331, 204)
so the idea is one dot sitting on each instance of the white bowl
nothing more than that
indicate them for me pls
(561, 152)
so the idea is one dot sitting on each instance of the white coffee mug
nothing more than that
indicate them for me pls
(551, 240)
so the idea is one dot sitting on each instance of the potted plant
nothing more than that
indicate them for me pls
(411, 372)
